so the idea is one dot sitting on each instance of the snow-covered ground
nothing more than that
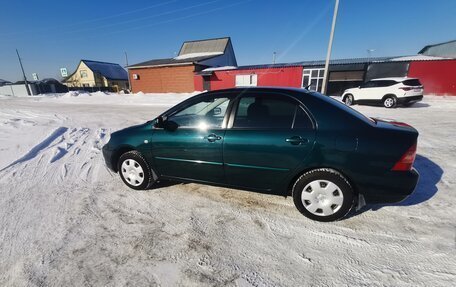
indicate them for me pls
(65, 220)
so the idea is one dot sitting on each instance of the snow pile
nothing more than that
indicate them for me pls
(220, 68)
(105, 98)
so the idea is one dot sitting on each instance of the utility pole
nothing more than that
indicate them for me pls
(126, 61)
(328, 55)
(23, 73)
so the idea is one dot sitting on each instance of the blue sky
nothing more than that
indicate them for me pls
(53, 34)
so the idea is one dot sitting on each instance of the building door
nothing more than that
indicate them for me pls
(206, 83)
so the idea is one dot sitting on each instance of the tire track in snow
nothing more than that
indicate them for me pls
(39, 147)
(65, 155)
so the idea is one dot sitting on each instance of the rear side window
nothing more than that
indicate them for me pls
(384, 83)
(274, 112)
(302, 120)
(412, 82)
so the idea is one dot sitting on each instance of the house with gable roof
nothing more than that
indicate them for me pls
(177, 74)
(98, 74)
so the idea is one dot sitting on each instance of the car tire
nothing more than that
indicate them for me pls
(348, 100)
(389, 101)
(135, 171)
(323, 195)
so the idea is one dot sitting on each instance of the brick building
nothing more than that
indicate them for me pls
(177, 74)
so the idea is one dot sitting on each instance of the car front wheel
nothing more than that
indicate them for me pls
(323, 195)
(348, 100)
(134, 171)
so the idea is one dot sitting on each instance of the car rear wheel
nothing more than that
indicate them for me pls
(323, 195)
(389, 102)
(134, 171)
(348, 100)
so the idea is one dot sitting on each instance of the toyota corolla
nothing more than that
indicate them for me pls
(285, 141)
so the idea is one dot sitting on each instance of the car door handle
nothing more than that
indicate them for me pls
(297, 140)
(213, 137)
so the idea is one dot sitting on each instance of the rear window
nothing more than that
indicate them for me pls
(412, 82)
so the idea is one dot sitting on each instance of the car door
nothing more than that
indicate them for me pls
(367, 91)
(193, 148)
(268, 137)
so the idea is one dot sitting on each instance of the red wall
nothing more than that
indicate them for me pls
(285, 76)
(437, 77)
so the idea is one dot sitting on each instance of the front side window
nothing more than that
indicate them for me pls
(370, 84)
(263, 112)
(205, 113)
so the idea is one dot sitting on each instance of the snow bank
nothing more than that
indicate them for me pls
(105, 98)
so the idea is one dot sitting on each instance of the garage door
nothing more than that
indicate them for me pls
(348, 76)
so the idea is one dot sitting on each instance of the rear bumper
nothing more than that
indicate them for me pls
(394, 187)
(411, 99)
(107, 155)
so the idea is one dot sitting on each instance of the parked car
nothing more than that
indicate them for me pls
(274, 140)
(389, 92)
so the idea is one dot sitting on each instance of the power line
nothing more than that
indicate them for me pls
(142, 18)
(93, 19)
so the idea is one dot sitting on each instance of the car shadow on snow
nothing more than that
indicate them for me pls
(415, 105)
(430, 175)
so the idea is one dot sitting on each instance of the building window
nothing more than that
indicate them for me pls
(313, 78)
(83, 73)
(246, 80)
(85, 85)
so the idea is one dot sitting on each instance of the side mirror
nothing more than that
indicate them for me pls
(170, 125)
(158, 123)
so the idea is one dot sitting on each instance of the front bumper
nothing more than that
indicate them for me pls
(107, 155)
(411, 99)
(394, 187)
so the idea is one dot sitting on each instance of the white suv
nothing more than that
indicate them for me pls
(387, 91)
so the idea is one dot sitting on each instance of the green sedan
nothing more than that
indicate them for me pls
(284, 141)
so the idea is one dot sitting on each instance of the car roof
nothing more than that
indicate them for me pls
(396, 79)
(263, 88)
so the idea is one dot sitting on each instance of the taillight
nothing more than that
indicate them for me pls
(406, 88)
(407, 159)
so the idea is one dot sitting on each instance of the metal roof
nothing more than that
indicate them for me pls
(418, 57)
(201, 49)
(446, 49)
(110, 71)
(319, 63)
(170, 62)
(204, 46)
